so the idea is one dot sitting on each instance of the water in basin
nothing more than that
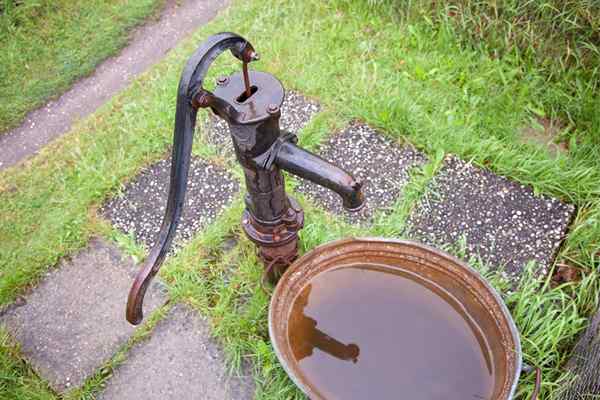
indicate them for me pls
(370, 332)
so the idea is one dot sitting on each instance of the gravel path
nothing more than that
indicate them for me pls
(149, 44)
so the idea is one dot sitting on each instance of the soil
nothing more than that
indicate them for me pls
(545, 134)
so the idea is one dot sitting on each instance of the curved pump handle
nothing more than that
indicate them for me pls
(190, 96)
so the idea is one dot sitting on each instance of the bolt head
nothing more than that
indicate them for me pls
(200, 100)
(222, 80)
(272, 109)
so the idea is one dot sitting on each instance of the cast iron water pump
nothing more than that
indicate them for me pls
(250, 103)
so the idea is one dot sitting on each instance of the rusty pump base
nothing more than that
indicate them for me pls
(250, 103)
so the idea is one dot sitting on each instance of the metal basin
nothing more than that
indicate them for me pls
(456, 278)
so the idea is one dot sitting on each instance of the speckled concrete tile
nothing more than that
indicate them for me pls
(74, 321)
(179, 362)
(296, 112)
(382, 165)
(503, 221)
(141, 207)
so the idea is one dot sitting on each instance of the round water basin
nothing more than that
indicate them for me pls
(384, 319)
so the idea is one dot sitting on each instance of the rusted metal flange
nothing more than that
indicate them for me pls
(277, 240)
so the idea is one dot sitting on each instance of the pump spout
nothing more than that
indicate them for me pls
(309, 166)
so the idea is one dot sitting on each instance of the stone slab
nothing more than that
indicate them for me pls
(296, 113)
(74, 320)
(180, 361)
(503, 221)
(382, 165)
(141, 206)
(585, 364)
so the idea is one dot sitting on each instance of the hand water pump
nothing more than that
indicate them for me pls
(250, 102)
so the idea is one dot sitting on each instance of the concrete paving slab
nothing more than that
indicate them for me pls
(180, 361)
(503, 221)
(296, 113)
(585, 364)
(74, 321)
(376, 160)
(149, 44)
(141, 206)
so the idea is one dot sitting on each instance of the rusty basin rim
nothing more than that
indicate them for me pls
(382, 243)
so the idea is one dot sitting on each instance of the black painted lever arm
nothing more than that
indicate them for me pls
(189, 92)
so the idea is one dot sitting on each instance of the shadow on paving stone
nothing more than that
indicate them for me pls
(585, 365)
(296, 112)
(141, 206)
(180, 361)
(503, 221)
(74, 321)
(382, 166)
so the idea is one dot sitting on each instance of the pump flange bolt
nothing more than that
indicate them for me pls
(272, 109)
(201, 100)
(222, 80)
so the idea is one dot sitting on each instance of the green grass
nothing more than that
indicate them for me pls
(17, 380)
(559, 39)
(417, 83)
(45, 45)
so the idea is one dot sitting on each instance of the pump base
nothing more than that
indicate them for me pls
(277, 240)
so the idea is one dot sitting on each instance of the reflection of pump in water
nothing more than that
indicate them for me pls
(305, 336)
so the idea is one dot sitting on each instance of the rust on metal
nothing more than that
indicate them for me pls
(538, 384)
(246, 79)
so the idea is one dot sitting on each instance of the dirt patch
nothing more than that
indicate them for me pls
(545, 133)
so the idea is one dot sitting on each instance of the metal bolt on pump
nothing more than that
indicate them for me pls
(250, 103)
